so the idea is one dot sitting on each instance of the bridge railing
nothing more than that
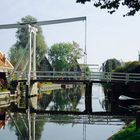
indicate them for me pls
(115, 76)
(58, 74)
(94, 76)
(48, 75)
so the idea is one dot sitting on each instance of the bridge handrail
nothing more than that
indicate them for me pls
(122, 73)
(116, 76)
(95, 76)
(47, 74)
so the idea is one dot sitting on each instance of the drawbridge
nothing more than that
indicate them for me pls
(29, 75)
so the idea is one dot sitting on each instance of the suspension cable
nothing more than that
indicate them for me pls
(21, 58)
(85, 49)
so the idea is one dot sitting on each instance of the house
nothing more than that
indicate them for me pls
(45, 66)
(2, 119)
(5, 65)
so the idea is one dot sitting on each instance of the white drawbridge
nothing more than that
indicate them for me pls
(31, 60)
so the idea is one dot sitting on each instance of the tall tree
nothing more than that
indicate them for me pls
(113, 5)
(64, 56)
(22, 36)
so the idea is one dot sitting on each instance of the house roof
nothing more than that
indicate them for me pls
(4, 62)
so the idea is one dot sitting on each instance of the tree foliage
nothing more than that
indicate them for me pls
(113, 5)
(110, 65)
(22, 36)
(14, 55)
(64, 56)
(129, 67)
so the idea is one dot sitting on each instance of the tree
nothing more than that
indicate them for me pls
(110, 65)
(64, 56)
(113, 5)
(22, 36)
(129, 67)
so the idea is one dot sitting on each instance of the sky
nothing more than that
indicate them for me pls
(108, 36)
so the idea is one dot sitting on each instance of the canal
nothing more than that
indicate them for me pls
(60, 127)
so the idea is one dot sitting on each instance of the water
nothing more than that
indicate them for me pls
(7, 134)
(63, 130)
(98, 98)
(69, 132)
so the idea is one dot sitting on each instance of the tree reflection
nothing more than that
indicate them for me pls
(44, 100)
(66, 100)
(63, 100)
(22, 123)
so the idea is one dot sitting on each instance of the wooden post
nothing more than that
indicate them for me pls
(138, 120)
(88, 97)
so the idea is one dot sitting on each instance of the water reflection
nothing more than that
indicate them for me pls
(65, 100)
(29, 125)
(21, 123)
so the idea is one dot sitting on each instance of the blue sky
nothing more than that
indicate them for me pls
(108, 36)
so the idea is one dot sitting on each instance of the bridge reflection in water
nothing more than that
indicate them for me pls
(61, 106)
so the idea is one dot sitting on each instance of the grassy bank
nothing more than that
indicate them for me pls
(3, 90)
(128, 133)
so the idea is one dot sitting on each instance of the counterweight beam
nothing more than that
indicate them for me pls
(40, 23)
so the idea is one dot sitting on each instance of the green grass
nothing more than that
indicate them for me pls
(129, 133)
(47, 83)
(3, 90)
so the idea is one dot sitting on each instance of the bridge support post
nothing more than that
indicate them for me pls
(88, 97)
(27, 97)
(138, 120)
